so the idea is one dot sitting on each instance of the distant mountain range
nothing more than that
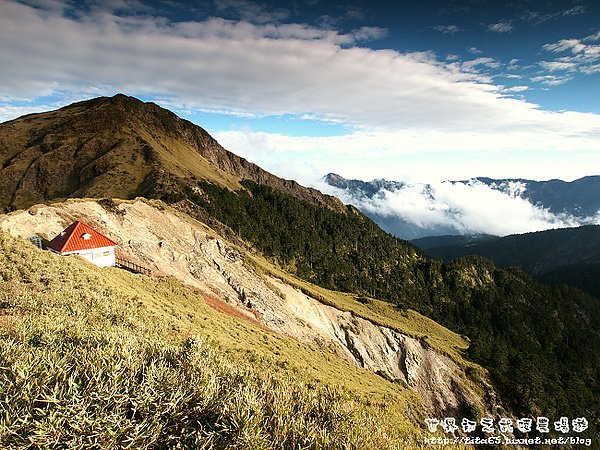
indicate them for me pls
(563, 256)
(412, 211)
(579, 198)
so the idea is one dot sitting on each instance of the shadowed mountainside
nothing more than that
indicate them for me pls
(566, 255)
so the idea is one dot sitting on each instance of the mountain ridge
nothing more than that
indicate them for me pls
(119, 147)
(564, 255)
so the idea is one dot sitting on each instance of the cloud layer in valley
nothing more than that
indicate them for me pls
(463, 208)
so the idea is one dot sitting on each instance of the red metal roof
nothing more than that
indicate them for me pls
(79, 236)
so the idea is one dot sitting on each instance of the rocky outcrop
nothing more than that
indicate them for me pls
(173, 244)
(393, 355)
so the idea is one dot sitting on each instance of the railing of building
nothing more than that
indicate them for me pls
(131, 266)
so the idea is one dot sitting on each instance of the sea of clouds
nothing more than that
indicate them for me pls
(464, 207)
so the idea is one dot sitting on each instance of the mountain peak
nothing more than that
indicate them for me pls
(336, 180)
(120, 147)
(120, 100)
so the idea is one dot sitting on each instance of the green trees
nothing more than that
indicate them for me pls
(540, 344)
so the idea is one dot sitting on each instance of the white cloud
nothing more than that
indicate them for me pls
(504, 26)
(517, 89)
(247, 68)
(593, 37)
(8, 112)
(584, 57)
(575, 11)
(591, 69)
(394, 103)
(554, 66)
(538, 18)
(483, 61)
(369, 33)
(468, 208)
(551, 80)
(447, 29)
(349, 13)
(573, 45)
(417, 156)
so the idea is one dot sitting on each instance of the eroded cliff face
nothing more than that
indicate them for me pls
(172, 244)
(396, 356)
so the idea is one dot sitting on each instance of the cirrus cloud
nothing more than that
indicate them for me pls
(583, 55)
(504, 26)
(447, 29)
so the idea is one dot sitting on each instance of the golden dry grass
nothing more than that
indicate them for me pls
(106, 359)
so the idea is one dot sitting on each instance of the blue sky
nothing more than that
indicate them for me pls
(419, 91)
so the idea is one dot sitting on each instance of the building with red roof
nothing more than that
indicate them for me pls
(81, 239)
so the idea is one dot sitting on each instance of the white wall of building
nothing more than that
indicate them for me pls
(102, 257)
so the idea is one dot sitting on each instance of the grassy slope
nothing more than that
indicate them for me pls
(103, 358)
(184, 161)
(93, 150)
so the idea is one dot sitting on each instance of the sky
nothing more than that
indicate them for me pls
(419, 91)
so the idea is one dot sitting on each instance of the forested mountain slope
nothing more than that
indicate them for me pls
(539, 343)
(566, 255)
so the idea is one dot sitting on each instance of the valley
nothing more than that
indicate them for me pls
(418, 210)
